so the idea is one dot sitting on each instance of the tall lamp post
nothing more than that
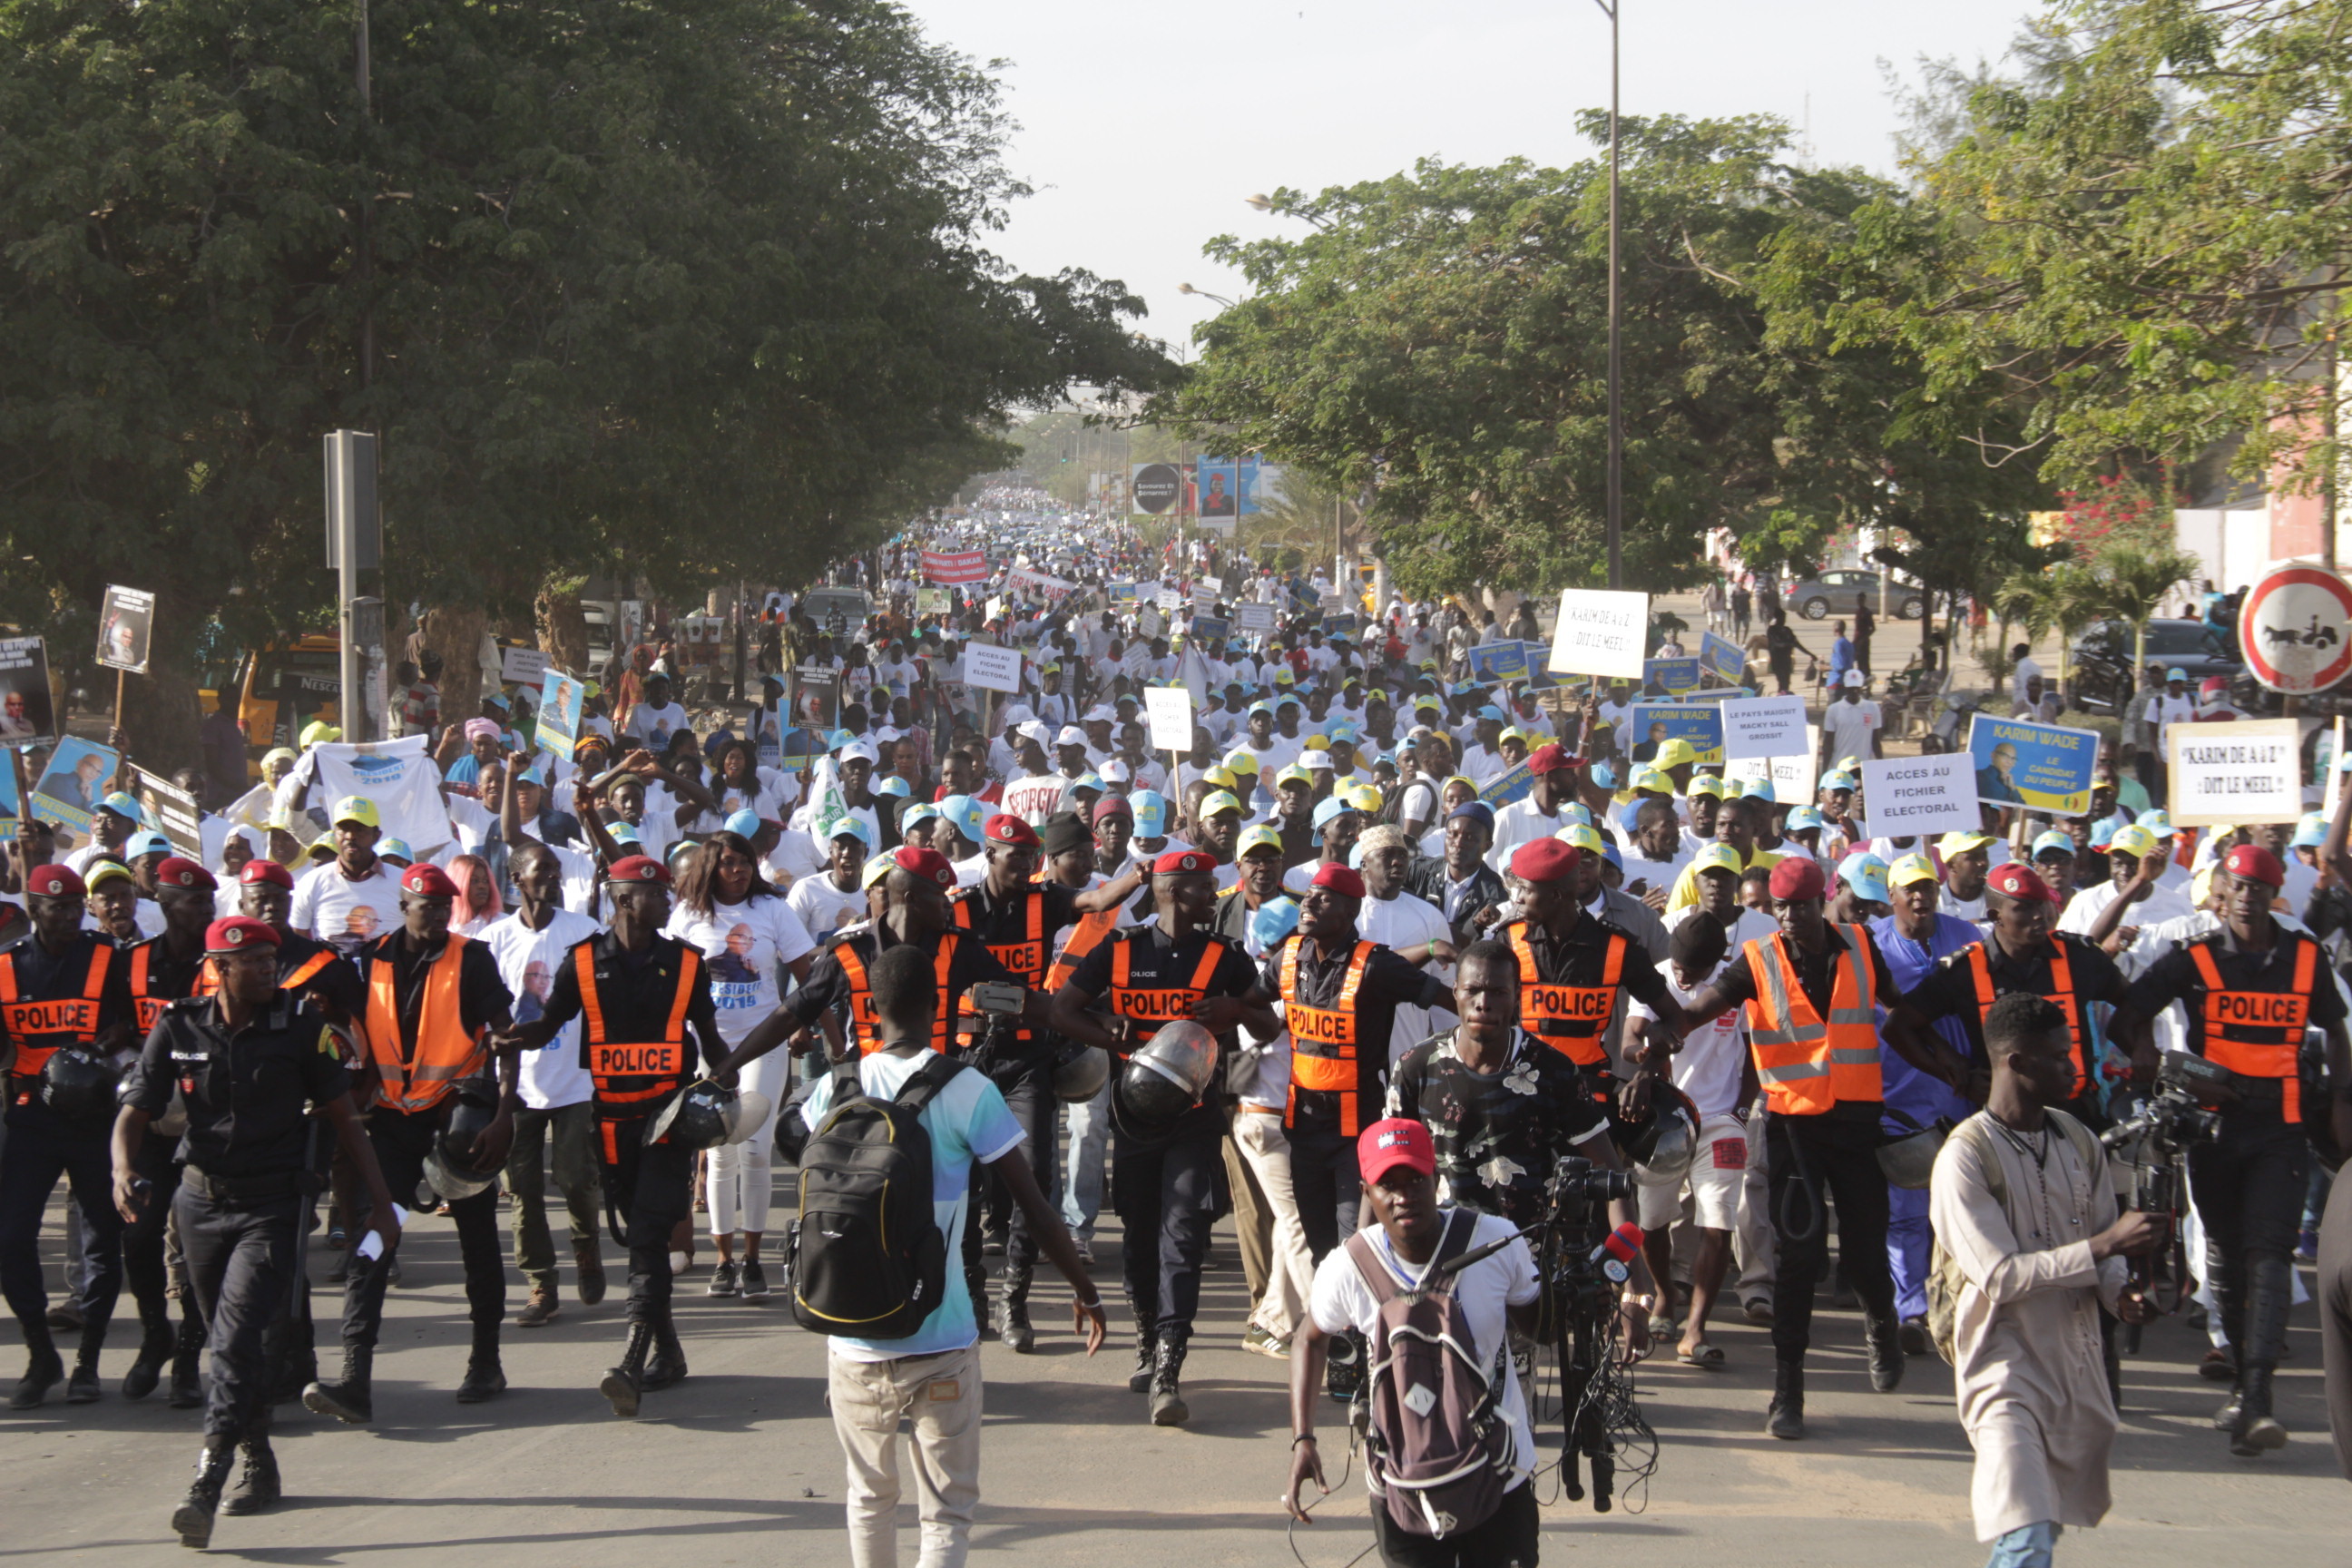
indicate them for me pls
(1609, 8)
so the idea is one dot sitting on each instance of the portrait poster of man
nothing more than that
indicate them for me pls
(27, 715)
(126, 621)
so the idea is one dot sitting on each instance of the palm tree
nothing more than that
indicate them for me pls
(2065, 598)
(2136, 575)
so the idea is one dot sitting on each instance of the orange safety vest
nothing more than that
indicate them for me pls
(1807, 1066)
(1084, 937)
(2259, 1034)
(151, 1007)
(1323, 1039)
(420, 1078)
(1571, 1017)
(73, 1016)
(1025, 958)
(631, 1074)
(868, 1023)
(1160, 1004)
(2062, 992)
(208, 981)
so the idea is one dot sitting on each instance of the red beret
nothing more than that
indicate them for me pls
(265, 871)
(428, 882)
(1339, 879)
(1177, 862)
(238, 933)
(1550, 758)
(2251, 861)
(1796, 879)
(929, 864)
(1006, 829)
(2017, 881)
(178, 872)
(1543, 860)
(637, 869)
(54, 883)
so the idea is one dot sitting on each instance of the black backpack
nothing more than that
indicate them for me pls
(867, 1257)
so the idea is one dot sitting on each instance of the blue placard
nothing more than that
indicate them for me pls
(2045, 767)
(1495, 661)
(1723, 657)
(1700, 723)
(1674, 675)
(1121, 593)
(1207, 628)
(1512, 784)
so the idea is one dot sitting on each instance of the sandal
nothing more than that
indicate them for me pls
(1707, 1355)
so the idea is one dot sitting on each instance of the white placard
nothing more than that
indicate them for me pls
(1921, 796)
(1169, 599)
(522, 666)
(1763, 727)
(1168, 712)
(1254, 618)
(990, 668)
(1205, 596)
(1792, 776)
(1599, 633)
(2240, 773)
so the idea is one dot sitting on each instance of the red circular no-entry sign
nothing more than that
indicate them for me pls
(2295, 630)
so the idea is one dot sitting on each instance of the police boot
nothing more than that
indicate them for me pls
(43, 1367)
(1785, 1418)
(187, 1388)
(82, 1388)
(623, 1382)
(256, 1482)
(1886, 1355)
(666, 1366)
(156, 1340)
(2256, 1428)
(1168, 1407)
(485, 1378)
(1146, 1348)
(2270, 1286)
(193, 1518)
(1015, 1331)
(348, 1398)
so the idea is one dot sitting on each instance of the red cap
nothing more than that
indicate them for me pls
(238, 933)
(1396, 1141)
(1006, 829)
(1550, 758)
(265, 871)
(2251, 861)
(637, 869)
(54, 883)
(927, 862)
(428, 882)
(1543, 860)
(175, 871)
(2018, 881)
(1796, 879)
(1176, 862)
(1339, 879)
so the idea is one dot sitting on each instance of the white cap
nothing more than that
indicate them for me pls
(1037, 731)
(1313, 760)
(1856, 678)
(1071, 735)
(1116, 772)
(884, 733)
(1018, 714)
(1100, 713)
(857, 751)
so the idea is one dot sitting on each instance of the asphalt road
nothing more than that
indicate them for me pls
(738, 1465)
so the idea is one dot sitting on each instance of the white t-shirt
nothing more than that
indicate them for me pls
(331, 907)
(1486, 1291)
(770, 796)
(1708, 1066)
(823, 908)
(1407, 921)
(741, 944)
(528, 962)
(1847, 727)
(654, 726)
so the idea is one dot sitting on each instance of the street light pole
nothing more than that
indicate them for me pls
(1609, 8)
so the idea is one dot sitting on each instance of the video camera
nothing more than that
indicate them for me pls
(2154, 1143)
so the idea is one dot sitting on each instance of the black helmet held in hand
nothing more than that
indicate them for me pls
(79, 1086)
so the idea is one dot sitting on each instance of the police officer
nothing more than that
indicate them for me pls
(324, 976)
(1018, 919)
(162, 970)
(246, 1060)
(64, 989)
(2250, 990)
(641, 994)
(433, 999)
(1574, 967)
(1176, 967)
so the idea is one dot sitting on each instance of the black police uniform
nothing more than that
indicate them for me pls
(241, 1198)
(59, 1000)
(156, 979)
(1951, 990)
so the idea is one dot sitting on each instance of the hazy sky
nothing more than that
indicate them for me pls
(1144, 124)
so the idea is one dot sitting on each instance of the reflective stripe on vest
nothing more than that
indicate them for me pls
(1025, 958)
(444, 1050)
(2061, 994)
(1323, 1039)
(1571, 1017)
(207, 981)
(149, 1008)
(1084, 937)
(1806, 1065)
(868, 1023)
(2259, 1034)
(627, 1073)
(75, 1017)
(1160, 1004)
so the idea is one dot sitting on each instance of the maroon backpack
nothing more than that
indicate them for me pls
(1443, 1443)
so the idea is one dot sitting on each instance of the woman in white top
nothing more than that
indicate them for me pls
(477, 903)
(740, 784)
(745, 932)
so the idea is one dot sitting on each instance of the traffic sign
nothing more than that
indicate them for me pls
(2295, 630)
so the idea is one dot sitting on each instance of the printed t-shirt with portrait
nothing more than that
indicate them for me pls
(343, 913)
(527, 960)
(742, 946)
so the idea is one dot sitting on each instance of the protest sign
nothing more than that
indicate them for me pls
(1673, 675)
(1792, 773)
(73, 783)
(27, 716)
(8, 802)
(173, 810)
(1167, 713)
(1599, 633)
(1493, 661)
(1920, 797)
(990, 668)
(1700, 723)
(958, 567)
(1121, 593)
(1204, 594)
(934, 601)
(1254, 618)
(816, 698)
(561, 698)
(2045, 767)
(1723, 658)
(521, 665)
(1038, 584)
(1763, 727)
(1211, 628)
(1148, 623)
(126, 623)
(1169, 599)
(1512, 784)
(2246, 771)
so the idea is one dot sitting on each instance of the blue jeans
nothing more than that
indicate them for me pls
(1089, 1142)
(2027, 1546)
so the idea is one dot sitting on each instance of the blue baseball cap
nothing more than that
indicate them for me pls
(394, 849)
(1865, 873)
(147, 843)
(121, 805)
(621, 833)
(1604, 775)
(913, 815)
(854, 828)
(1477, 808)
(965, 815)
(2311, 832)
(1802, 818)
(2053, 843)
(745, 822)
(1609, 853)
(1151, 808)
(1759, 789)
(1324, 810)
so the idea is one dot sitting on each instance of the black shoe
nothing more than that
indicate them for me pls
(42, 1372)
(348, 1398)
(753, 1279)
(1885, 1357)
(154, 1354)
(257, 1485)
(193, 1518)
(723, 1278)
(2226, 1419)
(1146, 1351)
(82, 1388)
(2258, 1431)
(666, 1368)
(1786, 1417)
(1914, 1337)
(1168, 1406)
(623, 1382)
(187, 1388)
(590, 1265)
(1016, 1334)
(484, 1379)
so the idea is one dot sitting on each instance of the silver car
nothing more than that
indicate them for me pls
(1833, 592)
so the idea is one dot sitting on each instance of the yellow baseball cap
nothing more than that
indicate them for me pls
(1716, 857)
(1911, 868)
(1259, 837)
(1652, 777)
(1675, 754)
(357, 808)
(1294, 775)
(1238, 761)
(1952, 844)
(1222, 777)
(1581, 837)
(1317, 744)
(2132, 839)
(1707, 784)
(1216, 801)
(1363, 797)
